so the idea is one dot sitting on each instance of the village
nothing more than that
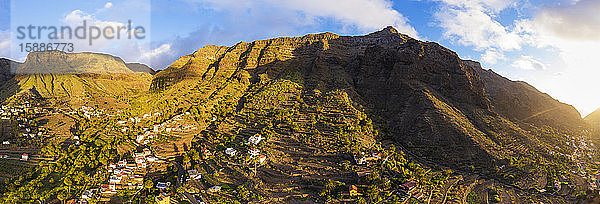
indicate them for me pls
(20, 129)
(148, 165)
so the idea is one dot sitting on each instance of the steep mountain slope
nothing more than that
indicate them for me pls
(58, 62)
(73, 77)
(354, 92)
(7, 70)
(519, 101)
(594, 118)
(379, 118)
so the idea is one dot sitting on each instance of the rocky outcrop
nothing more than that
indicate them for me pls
(7, 70)
(521, 102)
(57, 62)
(422, 91)
(55, 74)
(421, 95)
(364, 61)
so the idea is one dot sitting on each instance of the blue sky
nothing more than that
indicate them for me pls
(549, 44)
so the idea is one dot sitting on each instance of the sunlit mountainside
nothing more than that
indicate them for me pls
(379, 118)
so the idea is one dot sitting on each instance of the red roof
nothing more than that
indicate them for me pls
(409, 184)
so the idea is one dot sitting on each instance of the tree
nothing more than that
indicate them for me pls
(180, 189)
(62, 196)
(148, 184)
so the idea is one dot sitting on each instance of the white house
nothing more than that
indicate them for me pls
(161, 185)
(254, 139)
(152, 159)
(254, 152)
(122, 163)
(139, 138)
(262, 158)
(230, 151)
(194, 174)
(214, 189)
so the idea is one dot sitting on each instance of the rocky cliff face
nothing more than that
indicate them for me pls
(422, 94)
(55, 74)
(419, 95)
(7, 70)
(521, 102)
(331, 61)
(57, 62)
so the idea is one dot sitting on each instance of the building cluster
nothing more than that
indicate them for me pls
(365, 159)
(8, 112)
(127, 174)
(89, 112)
(21, 115)
(253, 151)
(174, 124)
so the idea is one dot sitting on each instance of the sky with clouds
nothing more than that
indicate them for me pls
(549, 44)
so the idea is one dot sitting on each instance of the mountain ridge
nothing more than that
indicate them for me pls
(520, 101)
(427, 95)
(311, 118)
(58, 62)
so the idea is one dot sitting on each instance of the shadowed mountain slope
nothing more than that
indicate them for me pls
(418, 95)
(519, 101)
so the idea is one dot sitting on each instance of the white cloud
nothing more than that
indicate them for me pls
(364, 15)
(130, 49)
(578, 21)
(528, 63)
(108, 5)
(159, 57)
(162, 49)
(491, 56)
(570, 29)
(492, 6)
(471, 23)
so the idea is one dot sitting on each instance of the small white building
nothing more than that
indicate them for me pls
(262, 158)
(254, 139)
(139, 138)
(230, 151)
(162, 185)
(87, 194)
(194, 174)
(122, 163)
(151, 159)
(6, 143)
(214, 189)
(254, 152)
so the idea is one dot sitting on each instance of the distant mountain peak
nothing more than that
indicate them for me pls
(58, 62)
(390, 29)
